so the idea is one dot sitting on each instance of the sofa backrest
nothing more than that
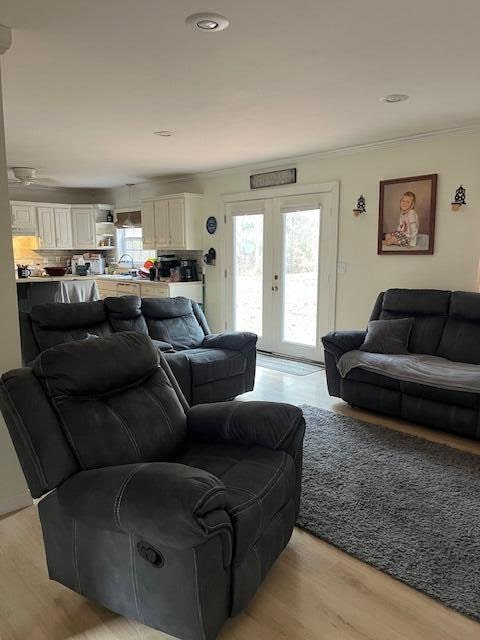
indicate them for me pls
(174, 320)
(54, 323)
(461, 336)
(125, 314)
(115, 403)
(428, 307)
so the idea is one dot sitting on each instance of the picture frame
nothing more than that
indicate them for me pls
(406, 219)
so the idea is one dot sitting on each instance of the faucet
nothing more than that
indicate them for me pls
(127, 255)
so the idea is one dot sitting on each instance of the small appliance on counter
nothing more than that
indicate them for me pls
(96, 265)
(188, 271)
(23, 271)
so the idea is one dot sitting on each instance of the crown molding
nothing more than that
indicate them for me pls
(340, 151)
(5, 38)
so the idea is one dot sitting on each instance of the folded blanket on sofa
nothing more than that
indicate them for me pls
(419, 368)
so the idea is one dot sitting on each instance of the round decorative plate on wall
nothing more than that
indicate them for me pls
(211, 225)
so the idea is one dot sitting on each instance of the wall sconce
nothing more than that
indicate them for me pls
(459, 198)
(360, 208)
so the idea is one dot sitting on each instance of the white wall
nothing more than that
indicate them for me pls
(13, 489)
(456, 159)
(64, 195)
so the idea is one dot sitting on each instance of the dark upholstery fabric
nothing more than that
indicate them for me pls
(388, 336)
(123, 410)
(173, 320)
(177, 326)
(38, 438)
(163, 502)
(446, 324)
(257, 485)
(125, 314)
(267, 424)
(56, 323)
(461, 338)
(429, 309)
(159, 506)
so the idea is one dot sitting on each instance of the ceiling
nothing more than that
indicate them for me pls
(86, 83)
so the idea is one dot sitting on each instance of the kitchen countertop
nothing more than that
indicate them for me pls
(118, 278)
(32, 279)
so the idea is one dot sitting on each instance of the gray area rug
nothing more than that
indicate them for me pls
(295, 367)
(409, 507)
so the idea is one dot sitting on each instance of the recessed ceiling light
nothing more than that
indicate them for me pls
(395, 97)
(164, 133)
(211, 22)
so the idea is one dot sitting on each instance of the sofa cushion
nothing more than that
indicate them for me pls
(429, 308)
(461, 336)
(387, 336)
(258, 481)
(56, 323)
(172, 320)
(115, 404)
(125, 314)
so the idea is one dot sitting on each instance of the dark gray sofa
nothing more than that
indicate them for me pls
(209, 367)
(446, 325)
(168, 515)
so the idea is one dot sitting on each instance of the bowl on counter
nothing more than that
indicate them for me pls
(55, 272)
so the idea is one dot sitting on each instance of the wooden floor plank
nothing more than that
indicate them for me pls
(313, 592)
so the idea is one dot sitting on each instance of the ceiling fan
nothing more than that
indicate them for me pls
(25, 176)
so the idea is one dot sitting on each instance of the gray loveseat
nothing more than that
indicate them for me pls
(209, 367)
(168, 515)
(445, 340)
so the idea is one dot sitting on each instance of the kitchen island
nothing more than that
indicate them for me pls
(38, 290)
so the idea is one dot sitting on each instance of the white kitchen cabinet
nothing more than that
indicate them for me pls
(172, 222)
(63, 227)
(84, 227)
(24, 218)
(192, 290)
(46, 227)
(54, 227)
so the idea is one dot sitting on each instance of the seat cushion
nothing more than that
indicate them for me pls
(260, 482)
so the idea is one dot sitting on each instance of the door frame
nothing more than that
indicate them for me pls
(330, 220)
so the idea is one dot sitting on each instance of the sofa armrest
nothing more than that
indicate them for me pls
(339, 342)
(273, 425)
(161, 502)
(235, 340)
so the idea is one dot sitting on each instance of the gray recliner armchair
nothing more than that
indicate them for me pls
(166, 514)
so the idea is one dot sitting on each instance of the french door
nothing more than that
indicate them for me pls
(279, 275)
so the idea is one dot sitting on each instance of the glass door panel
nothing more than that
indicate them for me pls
(248, 272)
(301, 236)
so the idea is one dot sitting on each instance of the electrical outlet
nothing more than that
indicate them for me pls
(57, 258)
(341, 267)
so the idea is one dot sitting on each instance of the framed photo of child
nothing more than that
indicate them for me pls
(406, 222)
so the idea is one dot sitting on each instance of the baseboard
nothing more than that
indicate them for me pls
(12, 503)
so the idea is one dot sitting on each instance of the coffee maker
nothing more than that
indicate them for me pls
(188, 270)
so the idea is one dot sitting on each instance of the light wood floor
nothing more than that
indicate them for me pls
(313, 592)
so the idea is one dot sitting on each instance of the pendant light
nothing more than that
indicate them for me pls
(128, 221)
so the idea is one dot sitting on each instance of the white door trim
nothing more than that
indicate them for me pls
(330, 231)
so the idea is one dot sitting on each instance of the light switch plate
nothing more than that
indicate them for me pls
(341, 267)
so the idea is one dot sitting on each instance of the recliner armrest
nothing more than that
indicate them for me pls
(162, 502)
(339, 342)
(273, 425)
(235, 340)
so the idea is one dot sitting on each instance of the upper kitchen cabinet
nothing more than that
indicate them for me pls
(24, 219)
(83, 227)
(172, 222)
(54, 226)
